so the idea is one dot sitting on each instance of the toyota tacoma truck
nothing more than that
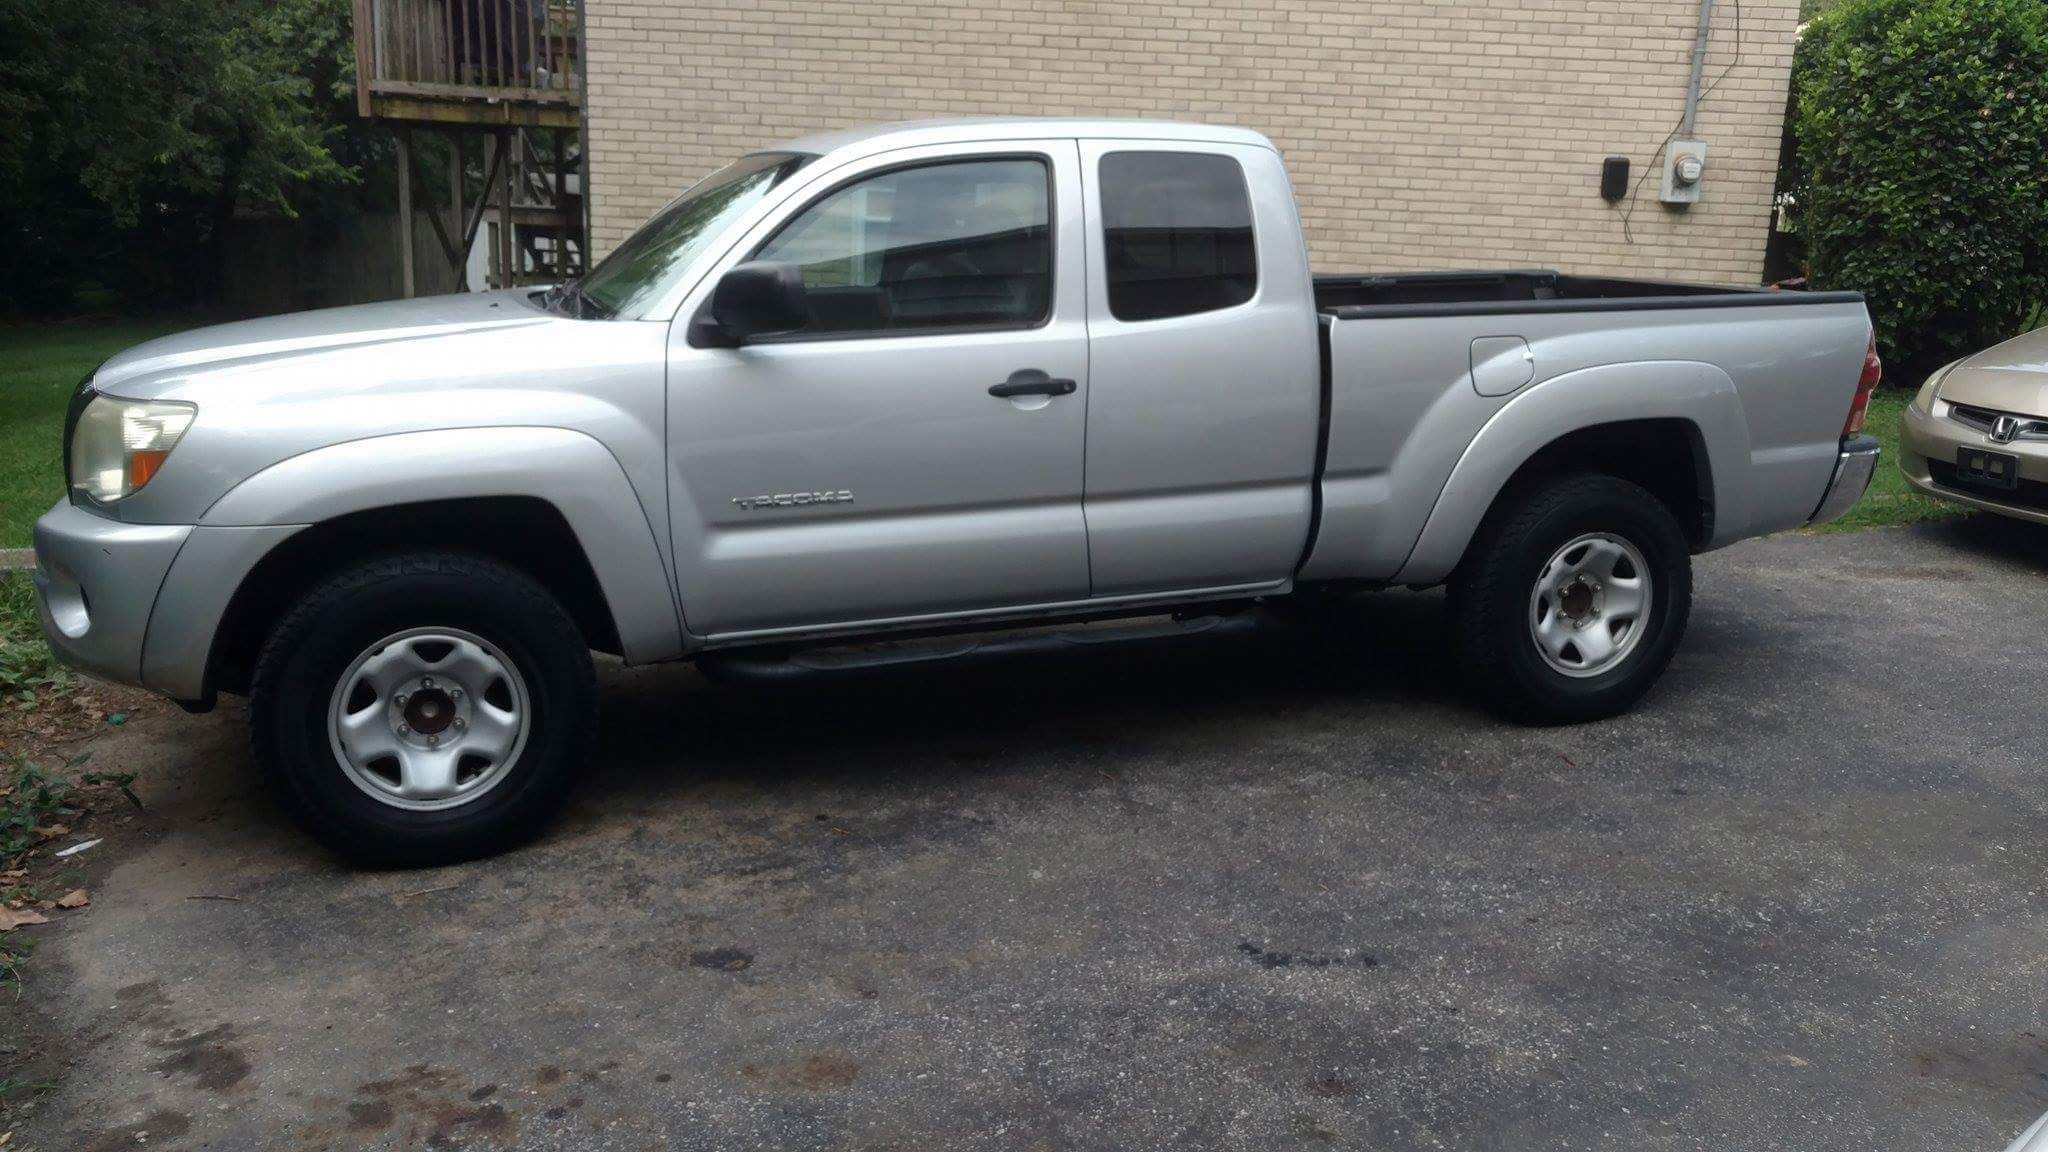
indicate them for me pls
(867, 393)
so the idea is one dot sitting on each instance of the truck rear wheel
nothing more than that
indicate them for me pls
(1572, 599)
(423, 708)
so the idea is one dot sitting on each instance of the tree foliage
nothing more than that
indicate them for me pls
(132, 130)
(1921, 170)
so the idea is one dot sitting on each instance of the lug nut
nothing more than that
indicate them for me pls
(405, 729)
(460, 723)
(402, 698)
(433, 741)
(455, 693)
(426, 681)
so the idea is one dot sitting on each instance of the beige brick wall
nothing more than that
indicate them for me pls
(1420, 134)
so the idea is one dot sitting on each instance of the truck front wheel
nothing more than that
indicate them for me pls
(1572, 599)
(423, 708)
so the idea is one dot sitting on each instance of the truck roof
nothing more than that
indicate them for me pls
(912, 133)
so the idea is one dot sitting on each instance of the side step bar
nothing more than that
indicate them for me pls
(781, 666)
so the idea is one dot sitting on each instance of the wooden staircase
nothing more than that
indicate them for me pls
(511, 73)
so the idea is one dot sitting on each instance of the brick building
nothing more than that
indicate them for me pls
(1421, 133)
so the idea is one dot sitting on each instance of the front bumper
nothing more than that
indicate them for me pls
(1928, 442)
(1853, 470)
(96, 582)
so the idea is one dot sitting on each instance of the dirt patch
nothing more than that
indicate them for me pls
(434, 1106)
(817, 1072)
(210, 1058)
(151, 1131)
(1272, 958)
(370, 1115)
(723, 959)
(58, 720)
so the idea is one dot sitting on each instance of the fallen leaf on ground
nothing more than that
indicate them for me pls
(52, 831)
(10, 919)
(76, 898)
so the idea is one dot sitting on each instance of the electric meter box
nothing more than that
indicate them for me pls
(1685, 165)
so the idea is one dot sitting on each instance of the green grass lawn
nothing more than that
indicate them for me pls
(1889, 500)
(39, 366)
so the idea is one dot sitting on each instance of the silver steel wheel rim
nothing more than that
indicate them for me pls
(1591, 604)
(429, 718)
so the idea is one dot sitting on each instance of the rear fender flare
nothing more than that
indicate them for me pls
(1608, 394)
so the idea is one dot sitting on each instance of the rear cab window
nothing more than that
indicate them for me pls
(1177, 234)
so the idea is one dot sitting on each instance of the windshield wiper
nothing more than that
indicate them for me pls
(587, 306)
(571, 300)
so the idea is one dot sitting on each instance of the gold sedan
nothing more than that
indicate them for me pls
(1977, 433)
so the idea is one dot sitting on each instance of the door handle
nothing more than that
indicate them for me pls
(1032, 382)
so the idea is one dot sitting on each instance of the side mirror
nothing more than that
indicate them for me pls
(758, 298)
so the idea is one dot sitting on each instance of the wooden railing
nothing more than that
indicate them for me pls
(526, 51)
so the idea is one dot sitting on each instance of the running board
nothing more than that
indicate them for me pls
(742, 666)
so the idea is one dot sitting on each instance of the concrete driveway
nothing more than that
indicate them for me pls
(1281, 892)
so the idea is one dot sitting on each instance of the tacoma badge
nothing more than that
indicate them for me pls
(793, 499)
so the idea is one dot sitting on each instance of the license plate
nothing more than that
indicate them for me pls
(1991, 469)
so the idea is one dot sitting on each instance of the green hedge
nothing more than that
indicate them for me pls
(1921, 170)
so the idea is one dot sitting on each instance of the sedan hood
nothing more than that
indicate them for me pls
(2012, 377)
(274, 337)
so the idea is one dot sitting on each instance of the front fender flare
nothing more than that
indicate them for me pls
(1687, 390)
(570, 470)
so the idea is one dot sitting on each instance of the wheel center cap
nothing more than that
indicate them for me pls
(429, 711)
(1579, 600)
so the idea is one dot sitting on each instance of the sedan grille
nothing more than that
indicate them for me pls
(1986, 420)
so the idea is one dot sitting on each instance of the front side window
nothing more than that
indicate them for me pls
(640, 270)
(1177, 234)
(965, 244)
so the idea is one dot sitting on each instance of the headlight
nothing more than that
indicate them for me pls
(119, 444)
(1924, 401)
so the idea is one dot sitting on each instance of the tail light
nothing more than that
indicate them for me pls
(1873, 372)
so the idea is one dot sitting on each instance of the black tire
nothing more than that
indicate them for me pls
(1490, 597)
(313, 646)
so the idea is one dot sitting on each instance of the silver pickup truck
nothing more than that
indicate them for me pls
(913, 382)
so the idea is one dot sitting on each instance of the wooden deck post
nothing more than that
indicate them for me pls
(407, 284)
(508, 273)
(460, 257)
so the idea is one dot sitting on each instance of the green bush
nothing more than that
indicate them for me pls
(1921, 135)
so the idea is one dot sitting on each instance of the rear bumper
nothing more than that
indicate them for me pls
(96, 582)
(1853, 470)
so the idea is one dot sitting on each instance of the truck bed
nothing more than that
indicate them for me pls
(1752, 384)
(1354, 296)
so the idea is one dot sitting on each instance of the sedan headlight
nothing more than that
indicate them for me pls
(119, 444)
(1924, 400)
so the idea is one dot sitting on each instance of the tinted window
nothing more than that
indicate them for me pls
(1177, 228)
(961, 245)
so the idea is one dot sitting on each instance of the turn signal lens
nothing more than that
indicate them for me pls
(1873, 373)
(120, 445)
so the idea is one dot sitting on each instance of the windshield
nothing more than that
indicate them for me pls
(646, 265)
